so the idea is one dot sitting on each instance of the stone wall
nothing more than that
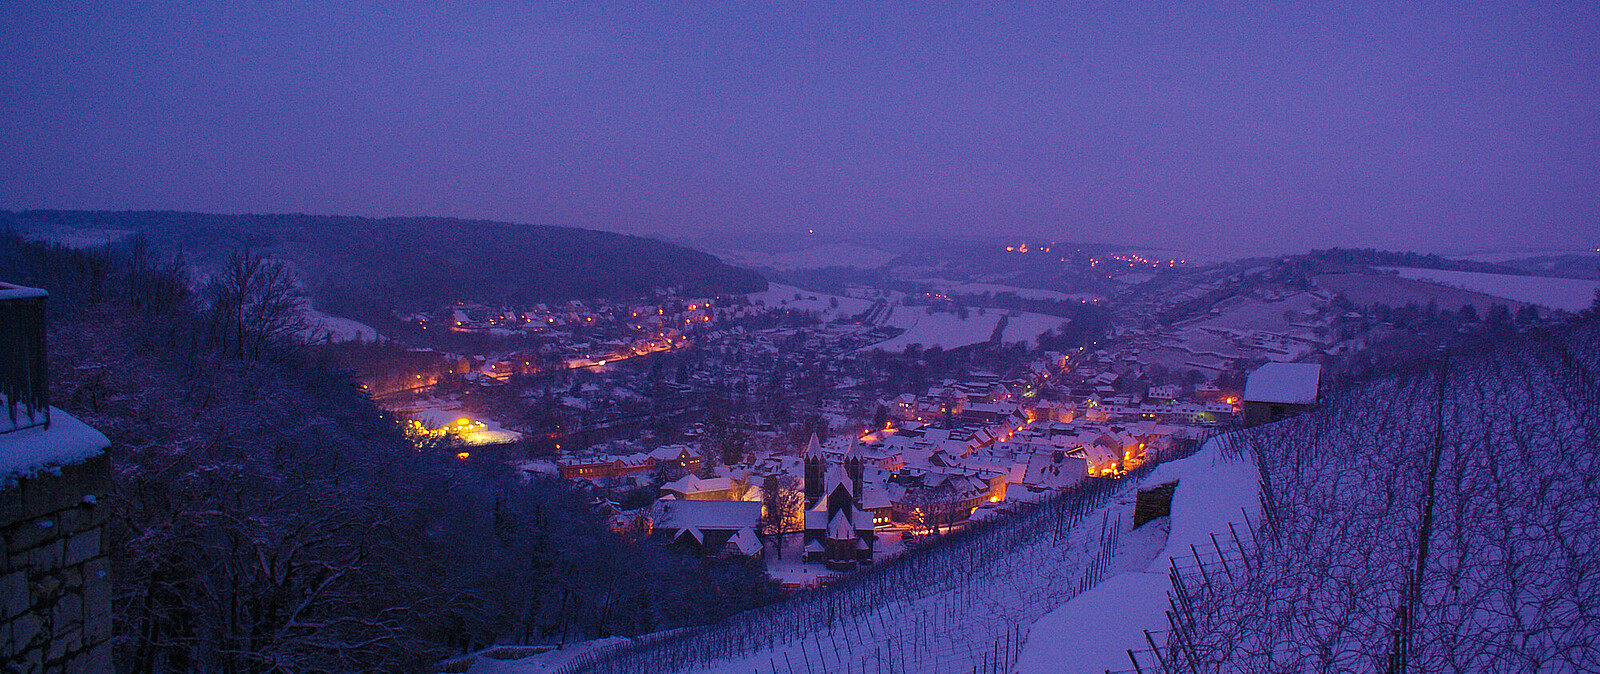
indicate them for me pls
(55, 577)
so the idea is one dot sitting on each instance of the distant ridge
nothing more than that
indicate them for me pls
(409, 263)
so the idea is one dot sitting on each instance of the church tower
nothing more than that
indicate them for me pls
(814, 471)
(855, 467)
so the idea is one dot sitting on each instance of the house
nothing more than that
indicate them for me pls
(713, 528)
(604, 468)
(1056, 469)
(676, 456)
(945, 498)
(1279, 390)
(1165, 391)
(693, 488)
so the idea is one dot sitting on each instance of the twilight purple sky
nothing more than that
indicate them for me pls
(1230, 127)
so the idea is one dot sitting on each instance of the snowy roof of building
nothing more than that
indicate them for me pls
(670, 452)
(10, 291)
(841, 527)
(708, 515)
(817, 517)
(66, 441)
(874, 498)
(1291, 383)
(692, 484)
(746, 542)
(837, 477)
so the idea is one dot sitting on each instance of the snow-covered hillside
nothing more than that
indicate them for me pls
(1506, 532)
(1556, 293)
(1094, 631)
(325, 326)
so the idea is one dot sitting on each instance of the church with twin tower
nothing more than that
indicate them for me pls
(838, 531)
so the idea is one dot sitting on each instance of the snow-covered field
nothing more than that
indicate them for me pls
(435, 413)
(780, 296)
(1556, 293)
(949, 331)
(942, 329)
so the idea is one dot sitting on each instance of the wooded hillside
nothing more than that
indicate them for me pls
(418, 263)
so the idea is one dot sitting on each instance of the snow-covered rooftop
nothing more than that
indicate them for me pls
(1290, 383)
(9, 291)
(708, 515)
(66, 441)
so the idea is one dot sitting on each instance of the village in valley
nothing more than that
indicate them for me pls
(819, 433)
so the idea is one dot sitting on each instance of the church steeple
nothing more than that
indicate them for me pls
(814, 471)
(855, 467)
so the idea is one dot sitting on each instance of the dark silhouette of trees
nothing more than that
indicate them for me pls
(268, 518)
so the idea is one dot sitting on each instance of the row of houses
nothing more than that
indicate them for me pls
(600, 467)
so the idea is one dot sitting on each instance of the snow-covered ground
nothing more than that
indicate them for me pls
(338, 329)
(439, 413)
(942, 329)
(1094, 631)
(949, 331)
(780, 296)
(67, 441)
(1556, 293)
(1508, 431)
(484, 661)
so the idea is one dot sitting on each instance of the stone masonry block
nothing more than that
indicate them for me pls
(97, 624)
(93, 661)
(67, 612)
(63, 642)
(83, 546)
(97, 585)
(28, 534)
(14, 595)
(11, 510)
(47, 556)
(27, 630)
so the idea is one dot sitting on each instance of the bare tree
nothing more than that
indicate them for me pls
(254, 307)
(782, 507)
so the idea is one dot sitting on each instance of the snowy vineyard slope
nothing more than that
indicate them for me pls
(1094, 631)
(1509, 580)
(962, 605)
